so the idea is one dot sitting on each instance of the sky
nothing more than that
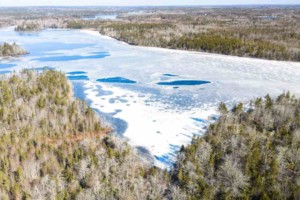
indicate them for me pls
(139, 2)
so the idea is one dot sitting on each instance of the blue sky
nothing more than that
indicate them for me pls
(138, 2)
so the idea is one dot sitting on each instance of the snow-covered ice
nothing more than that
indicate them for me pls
(159, 118)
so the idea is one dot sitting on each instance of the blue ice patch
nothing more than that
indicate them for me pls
(184, 82)
(6, 65)
(115, 80)
(96, 55)
(78, 78)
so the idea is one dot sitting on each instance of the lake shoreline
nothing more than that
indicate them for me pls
(97, 33)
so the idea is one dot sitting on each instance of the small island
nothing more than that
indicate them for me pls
(28, 27)
(7, 49)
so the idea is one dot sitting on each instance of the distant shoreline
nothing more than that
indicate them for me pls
(97, 33)
(155, 6)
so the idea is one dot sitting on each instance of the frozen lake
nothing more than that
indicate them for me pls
(158, 99)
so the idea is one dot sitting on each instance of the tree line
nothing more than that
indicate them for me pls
(237, 42)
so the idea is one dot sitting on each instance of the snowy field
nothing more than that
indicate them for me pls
(157, 98)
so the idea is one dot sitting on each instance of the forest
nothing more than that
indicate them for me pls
(55, 147)
(244, 42)
(249, 153)
(259, 32)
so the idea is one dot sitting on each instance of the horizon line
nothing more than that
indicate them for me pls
(178, 5)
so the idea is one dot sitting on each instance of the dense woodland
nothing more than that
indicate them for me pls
(54, 147)
(275, 39)
(253, 154)
(11, 50)
(260, 32)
